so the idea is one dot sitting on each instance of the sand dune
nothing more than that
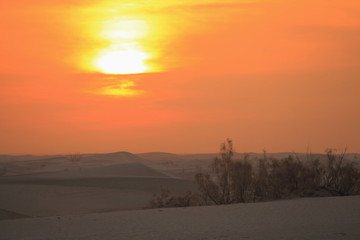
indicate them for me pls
(52, 200)
(36, 164)
(160, 156)
(117, 157)
(178, 165)
(118, 170)
(110, 188)
(315, 218)
(49, 197)
(9, 168)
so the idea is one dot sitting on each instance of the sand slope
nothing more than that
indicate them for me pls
(99, 189)
(315, 218)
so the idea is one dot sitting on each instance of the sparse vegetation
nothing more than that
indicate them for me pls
(239, 181)
(165, 199)
(341, 178)
(76, 158)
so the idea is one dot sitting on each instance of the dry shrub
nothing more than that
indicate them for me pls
(341, 178)
(284, 177)
(243, 182)
(166, 200)
(228, 181)
(76, 158)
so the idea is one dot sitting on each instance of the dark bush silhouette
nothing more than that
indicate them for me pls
(243, 181)
(262, 179)
(76, 158)
(166, 200)
(238, 181)
(341, 178)
(228, 181)
(285, 176)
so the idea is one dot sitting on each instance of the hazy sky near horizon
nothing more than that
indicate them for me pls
(179, 76)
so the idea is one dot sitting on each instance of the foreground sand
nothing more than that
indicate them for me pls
(312, 218)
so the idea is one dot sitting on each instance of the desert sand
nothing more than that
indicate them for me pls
(106, 196)
(315, 218)
(125, 186)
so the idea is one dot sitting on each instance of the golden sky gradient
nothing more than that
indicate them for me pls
(179, 76)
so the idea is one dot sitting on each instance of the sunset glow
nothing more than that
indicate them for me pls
(179, 76)
(124, 88)
(122, 62)
(124, 55)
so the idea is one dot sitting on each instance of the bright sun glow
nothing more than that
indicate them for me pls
(125, 53)
(118, 29)
(127, 61)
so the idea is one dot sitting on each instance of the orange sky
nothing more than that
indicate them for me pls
(179, 76)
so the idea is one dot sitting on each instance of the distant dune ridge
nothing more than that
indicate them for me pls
(33, 164)
(135, 169)
(24, 164)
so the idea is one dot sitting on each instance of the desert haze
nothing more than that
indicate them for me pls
(109, 196)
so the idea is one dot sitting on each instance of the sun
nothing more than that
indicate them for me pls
(128, 61)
